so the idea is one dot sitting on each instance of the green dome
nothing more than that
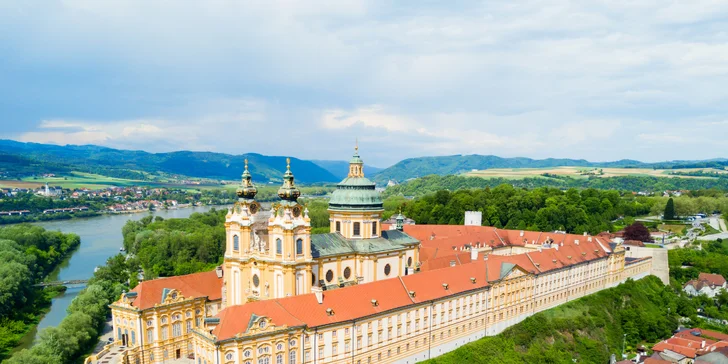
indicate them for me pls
(356, 193)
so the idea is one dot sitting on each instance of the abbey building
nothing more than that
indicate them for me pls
(366, 292)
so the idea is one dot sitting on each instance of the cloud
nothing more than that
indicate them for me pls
(554, 78)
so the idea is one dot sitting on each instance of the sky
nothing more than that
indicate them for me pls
(599, 80)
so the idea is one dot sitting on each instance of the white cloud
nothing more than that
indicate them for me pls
(552, 78)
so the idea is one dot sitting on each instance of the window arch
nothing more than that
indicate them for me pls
(236, 242)
(357, 228)
(292, 357)
(299, 246)
(279, 246)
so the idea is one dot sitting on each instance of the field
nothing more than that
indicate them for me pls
(90, 181)
(583, 172)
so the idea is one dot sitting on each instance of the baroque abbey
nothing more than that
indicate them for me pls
(366, 292)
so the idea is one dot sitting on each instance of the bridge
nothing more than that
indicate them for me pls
(61, 283)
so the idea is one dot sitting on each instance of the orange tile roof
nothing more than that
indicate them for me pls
(235, 320)
(205, 284)
(429, 285)
(445, 261)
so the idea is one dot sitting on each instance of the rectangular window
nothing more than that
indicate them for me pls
(374, 228)
(357, 228)
(150, 336)
(164, 333)
(334, 349)
(321, 352)
(338, 226)
(189, 326)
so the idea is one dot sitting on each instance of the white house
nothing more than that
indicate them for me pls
(707, 284)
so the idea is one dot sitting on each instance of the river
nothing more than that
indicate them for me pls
(100, 239)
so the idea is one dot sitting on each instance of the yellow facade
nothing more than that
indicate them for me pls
(422, 331)
(161, 332)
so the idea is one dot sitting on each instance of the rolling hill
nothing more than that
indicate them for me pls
(44, 158)
(457, 164)
(340, 169)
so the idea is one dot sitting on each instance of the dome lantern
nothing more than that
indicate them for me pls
(247, 190)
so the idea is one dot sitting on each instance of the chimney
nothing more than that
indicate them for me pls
(556, 247)
(589, 239)
(521, 233)
(585, 233)
(452, 263)
(576, 241)
(319, 292)
(473, 254)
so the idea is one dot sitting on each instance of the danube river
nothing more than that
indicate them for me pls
(100, 239)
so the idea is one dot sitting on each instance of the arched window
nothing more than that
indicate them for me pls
(236, 242)
(299, 247)
(292, 357)
(279, 246)
(374, 228)
(357, 228)
(338, 226)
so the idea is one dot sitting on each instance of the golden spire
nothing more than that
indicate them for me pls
(288, 164)
(246, 163)
(356, 145)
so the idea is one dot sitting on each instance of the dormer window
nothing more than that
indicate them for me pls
(262, 324)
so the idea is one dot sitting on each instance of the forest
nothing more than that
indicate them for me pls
(587, 330)
(434, 183)
(27, 254)
(176, 246)
(540, 209)
(78, 333)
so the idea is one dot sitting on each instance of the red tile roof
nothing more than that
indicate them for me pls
(205, 284)
(713, 279)
(235, 319)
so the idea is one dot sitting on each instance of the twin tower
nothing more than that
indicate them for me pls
(272, 254)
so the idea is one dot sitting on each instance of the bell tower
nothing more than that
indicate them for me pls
(241, 241)
(289, 233)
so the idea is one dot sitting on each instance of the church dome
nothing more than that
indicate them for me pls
(356, 192)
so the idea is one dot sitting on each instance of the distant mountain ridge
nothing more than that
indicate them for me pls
(456, 164)
(186, 163)
(340, 169)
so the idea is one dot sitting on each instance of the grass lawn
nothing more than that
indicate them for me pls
(673, 228)
(648, 245)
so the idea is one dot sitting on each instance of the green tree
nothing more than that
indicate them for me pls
(669, 210)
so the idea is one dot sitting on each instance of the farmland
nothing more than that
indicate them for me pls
(586, 172)
(92, 181)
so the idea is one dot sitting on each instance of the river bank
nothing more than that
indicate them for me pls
(101, 239)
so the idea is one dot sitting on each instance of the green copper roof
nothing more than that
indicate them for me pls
(356, 193)
(332, 244)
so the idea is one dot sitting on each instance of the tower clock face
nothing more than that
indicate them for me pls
(297, 211)
(253, 208)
